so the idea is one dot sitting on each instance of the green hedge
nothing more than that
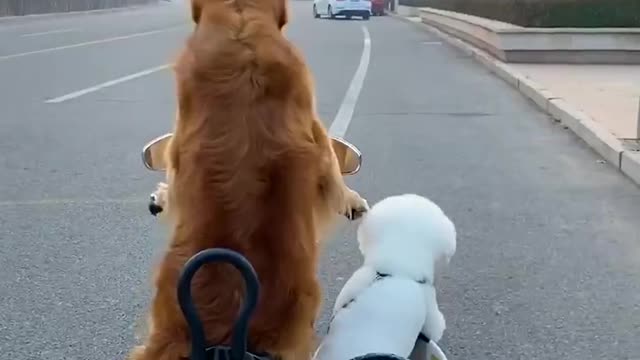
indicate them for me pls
(545, 13)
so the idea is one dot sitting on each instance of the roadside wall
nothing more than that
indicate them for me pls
(545, 13)
(29, 7)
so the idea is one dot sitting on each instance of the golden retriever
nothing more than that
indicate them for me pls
(250, 168)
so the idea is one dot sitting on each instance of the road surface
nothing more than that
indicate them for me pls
(548, 262)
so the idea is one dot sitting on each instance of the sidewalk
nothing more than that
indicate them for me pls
(600, 103)
(610, 94)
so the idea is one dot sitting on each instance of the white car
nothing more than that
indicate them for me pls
(348, 8)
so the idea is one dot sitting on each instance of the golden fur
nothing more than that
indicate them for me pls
(250, 168)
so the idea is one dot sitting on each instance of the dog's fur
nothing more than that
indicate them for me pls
(405, 237)
(159, 199)
(250, 168)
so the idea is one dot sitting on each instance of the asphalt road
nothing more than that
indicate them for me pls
(548, 262)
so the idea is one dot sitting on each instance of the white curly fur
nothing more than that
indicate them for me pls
(405, 236)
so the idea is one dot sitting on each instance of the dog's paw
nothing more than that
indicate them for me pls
(158, 199)
(154, 208)
(138, 352)
(356, 207)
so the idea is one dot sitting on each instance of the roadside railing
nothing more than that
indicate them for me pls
(29, 7)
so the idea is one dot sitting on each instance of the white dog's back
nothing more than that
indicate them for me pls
(391, 299)
(384, 318)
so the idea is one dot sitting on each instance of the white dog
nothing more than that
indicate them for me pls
(391, 300)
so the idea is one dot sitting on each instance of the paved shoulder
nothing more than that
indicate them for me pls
(547, 265)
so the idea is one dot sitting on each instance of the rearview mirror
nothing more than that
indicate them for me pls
(348, 155)
(153, 153)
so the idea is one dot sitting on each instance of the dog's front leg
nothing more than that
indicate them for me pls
(344, 200)
(352, 205)
(355, 205)
(159, 199)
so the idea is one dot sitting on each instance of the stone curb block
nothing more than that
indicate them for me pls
(536, 92)
(505, 74)
(601, 140)
(559, 110)
(591, 132)
(461, 46)
(630, 165)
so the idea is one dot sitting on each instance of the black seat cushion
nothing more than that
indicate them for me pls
(379, 357)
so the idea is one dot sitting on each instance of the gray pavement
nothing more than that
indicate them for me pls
(549, 243)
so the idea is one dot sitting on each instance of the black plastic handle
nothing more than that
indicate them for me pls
(241, 327)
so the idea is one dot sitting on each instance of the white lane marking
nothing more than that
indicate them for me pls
(106, 84)
(93, 42)
(50, 32)
(431, 43)
(345, 112)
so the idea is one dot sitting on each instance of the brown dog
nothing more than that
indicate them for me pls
(250, 168)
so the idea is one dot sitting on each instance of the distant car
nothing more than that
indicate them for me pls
(377, 7)
(347, 8)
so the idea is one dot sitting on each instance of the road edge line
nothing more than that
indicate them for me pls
(343, 117)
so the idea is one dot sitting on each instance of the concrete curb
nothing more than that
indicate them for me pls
(594, 134)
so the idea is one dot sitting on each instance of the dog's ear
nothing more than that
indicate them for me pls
(196, 10)
(283, 13)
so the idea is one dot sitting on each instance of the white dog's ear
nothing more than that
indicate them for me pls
(435, 324)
